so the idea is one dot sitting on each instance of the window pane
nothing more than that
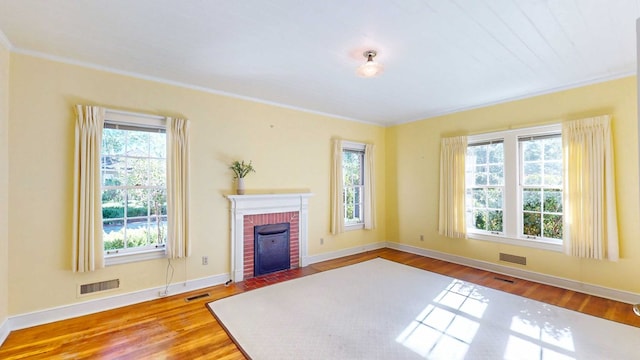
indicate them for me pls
(496, 153)
(553, 201)
(532, 150)
(113, 204)
(553, 173)
(138, 143)
(137, 203)
(113, 142)
(553, 148)
(531, 200)
(158, 230)
(134, 188)
(481, 177)
(137, 233)
(349, 202)
(113, 170)
(496, 175)
(494, 198)
(137, 172)
(531, 224)
(479, 198)
(480, 219)
(495, 221)
(532, 174)
(480, 153)
(158, 143)
(351, 167)
(157, 172)
(113, 234)
(157, 202)
(553, 226)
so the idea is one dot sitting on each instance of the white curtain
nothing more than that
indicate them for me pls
(369, 188)
(337, 187)
(178, 243)
(88, 249)
(590, 219)
(453, 152)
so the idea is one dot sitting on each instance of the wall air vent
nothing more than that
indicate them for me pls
(99, 286)
(513, 259)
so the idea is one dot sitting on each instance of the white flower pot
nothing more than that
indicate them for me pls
(240, 186)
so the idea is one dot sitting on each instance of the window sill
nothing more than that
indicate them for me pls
(536, 244)
(351, 227)
(117, 259)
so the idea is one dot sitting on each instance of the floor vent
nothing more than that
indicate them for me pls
(505, 280)
(99, 286)
(196, 297)
(513, 259)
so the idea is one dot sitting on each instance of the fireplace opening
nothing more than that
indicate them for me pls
(271, 248)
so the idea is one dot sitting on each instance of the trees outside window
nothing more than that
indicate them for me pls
(514, 185)
(353, 180)
(541, 186)
(134, 192)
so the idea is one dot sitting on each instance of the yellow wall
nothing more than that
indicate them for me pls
(289, 149)
(413, 180)
(4, 183)
(278, 141)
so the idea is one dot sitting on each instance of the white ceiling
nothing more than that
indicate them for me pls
(440, 56)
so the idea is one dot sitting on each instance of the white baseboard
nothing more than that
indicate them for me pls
(596, 290)
(4, 331)
(92, 306)
(341, 253)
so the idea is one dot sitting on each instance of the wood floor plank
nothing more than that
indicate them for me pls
(171, 328)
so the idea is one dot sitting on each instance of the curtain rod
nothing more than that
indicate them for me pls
(131, 113)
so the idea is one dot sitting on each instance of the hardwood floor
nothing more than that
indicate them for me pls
(172, 328)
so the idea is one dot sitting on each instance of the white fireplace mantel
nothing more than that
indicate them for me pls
(242, 205)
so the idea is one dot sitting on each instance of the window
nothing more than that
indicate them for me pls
(514, 186)
(485, 186)
(134, 186)
(540, 187)
(353, 192)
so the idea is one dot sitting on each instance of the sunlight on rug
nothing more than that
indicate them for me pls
(380, 309)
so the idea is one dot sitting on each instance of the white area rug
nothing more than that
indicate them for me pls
(380, 309)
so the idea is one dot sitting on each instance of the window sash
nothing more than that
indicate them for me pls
(527, 217)
(147, 223)
(353, 207)
(512, 201)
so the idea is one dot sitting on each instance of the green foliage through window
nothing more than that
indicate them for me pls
(134, 201)
(542, 191)
(353, 175)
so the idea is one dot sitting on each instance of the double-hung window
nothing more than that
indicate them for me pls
(514, 186)
(353, 181)
(134, 187)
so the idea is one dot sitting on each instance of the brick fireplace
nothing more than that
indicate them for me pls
(249, 211)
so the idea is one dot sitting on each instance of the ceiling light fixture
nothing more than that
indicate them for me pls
(371, 68)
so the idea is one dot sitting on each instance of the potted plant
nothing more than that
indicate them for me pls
(240, 170)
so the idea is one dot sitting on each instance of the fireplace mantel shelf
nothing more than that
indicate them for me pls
(251, 204)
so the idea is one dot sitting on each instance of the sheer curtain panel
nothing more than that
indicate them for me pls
(369, 188)
(88, 252)
(590, 222)
(178, 243)
(453, 152)
(337, 186)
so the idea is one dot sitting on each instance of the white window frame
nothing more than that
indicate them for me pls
(513, 223)
(138, 120)
(359, 147)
